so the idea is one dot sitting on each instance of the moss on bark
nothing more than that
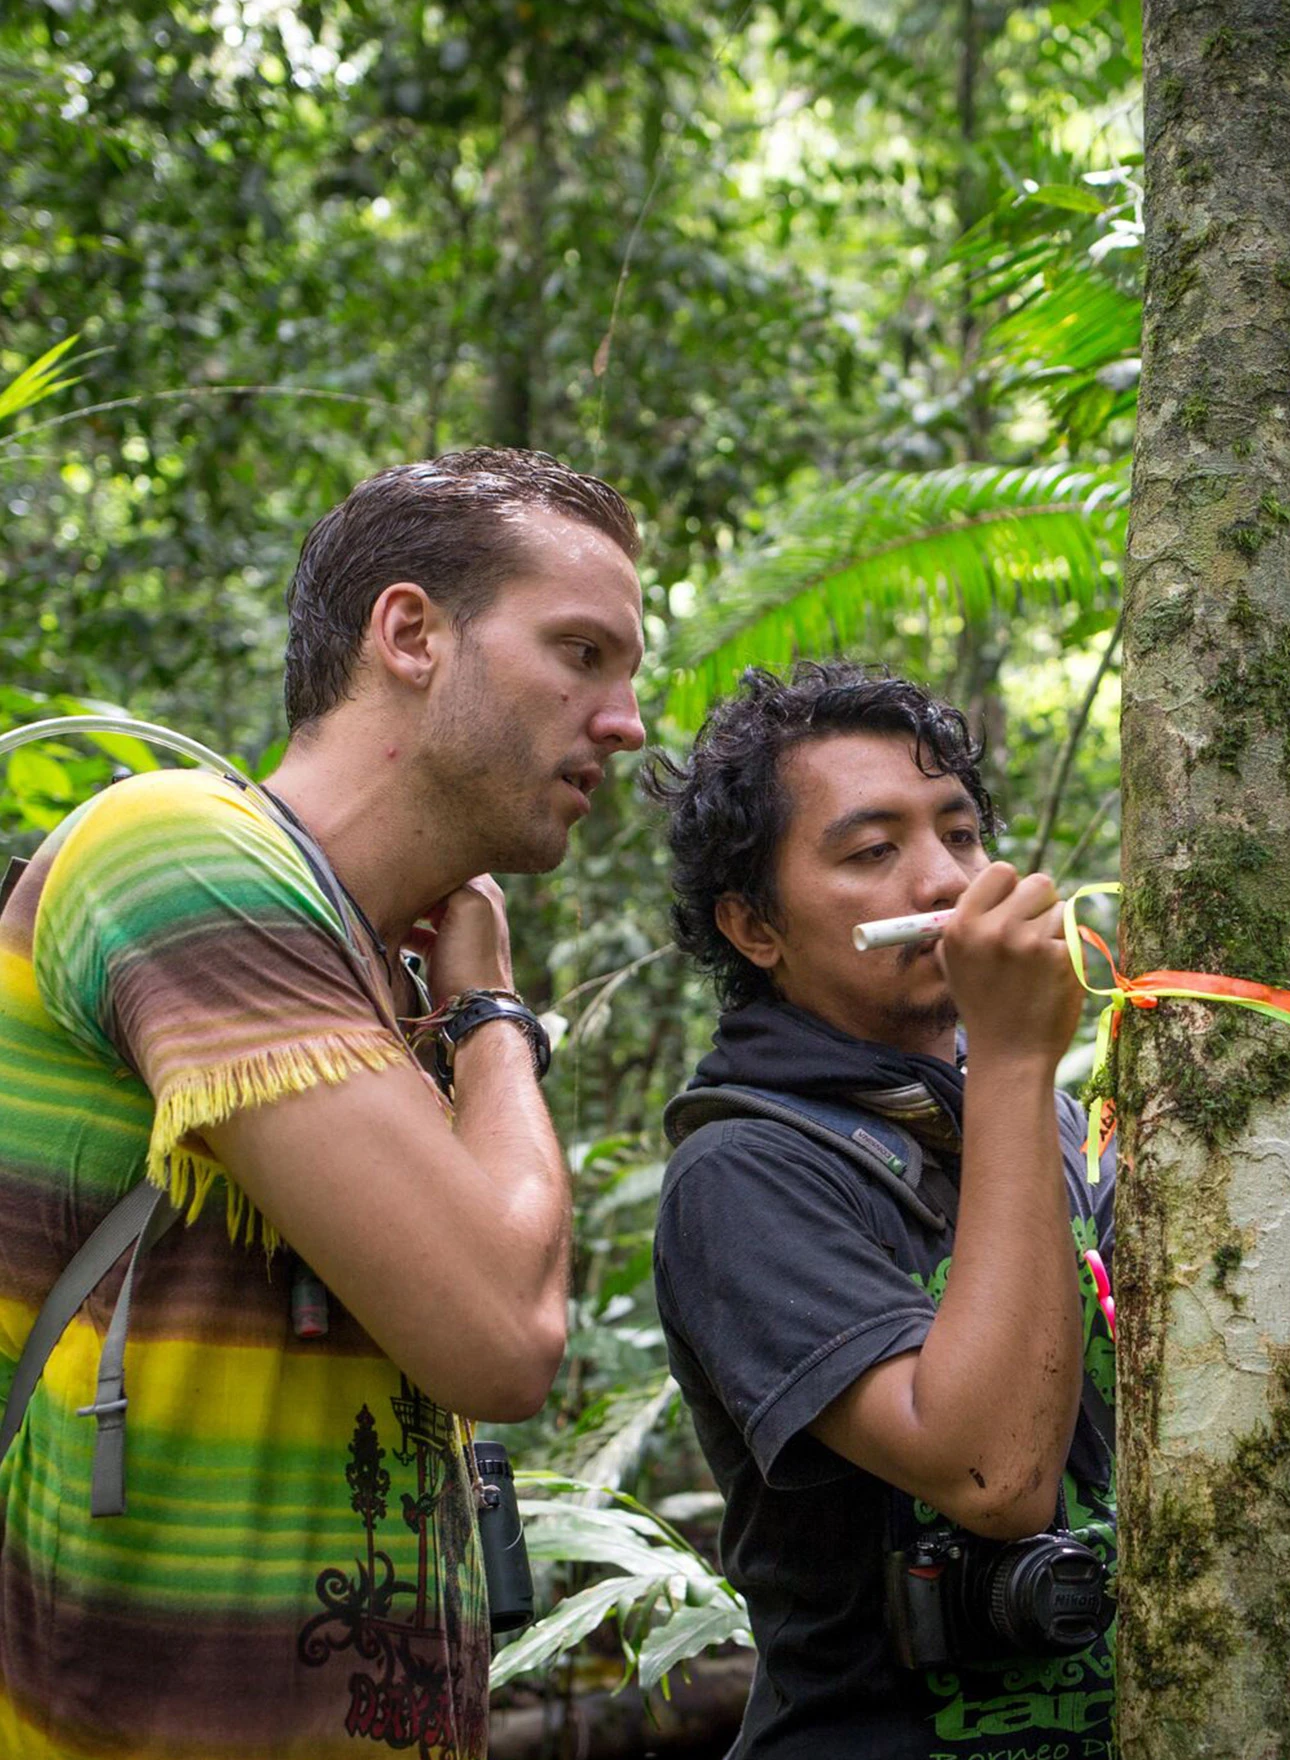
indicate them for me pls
(1205, 1611)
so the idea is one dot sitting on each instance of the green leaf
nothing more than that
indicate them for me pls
(620, 1452)
(566, 1626)
(630, 1186)
(137, 752)
(1074, 13)
(1087, 625)
(122, 748)
(660, 1571)
(1081, 322)
(1131, 25)
(1066, 195)
(36, 381)
(595, 1536)
(269, 759)
(34, 775)
(537, 1508)
(20, 705)
(689, 1631)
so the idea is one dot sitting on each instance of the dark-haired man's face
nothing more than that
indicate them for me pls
(869, 836)
(538, 696)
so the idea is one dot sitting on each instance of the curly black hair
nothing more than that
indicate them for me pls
(728, 807)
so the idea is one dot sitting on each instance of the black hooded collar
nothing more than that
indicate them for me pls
(776, 1045)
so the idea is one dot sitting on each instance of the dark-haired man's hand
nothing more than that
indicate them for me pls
(1010, 974)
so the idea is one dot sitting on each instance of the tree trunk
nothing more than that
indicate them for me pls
(983, 643)
(1203, 1261)
(525, 180)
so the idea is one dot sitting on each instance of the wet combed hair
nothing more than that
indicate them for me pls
(448, 524)
(729, 807)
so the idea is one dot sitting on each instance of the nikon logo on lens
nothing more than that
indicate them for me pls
(1073, 1601)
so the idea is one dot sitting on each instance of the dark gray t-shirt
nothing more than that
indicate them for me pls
(784, 1273)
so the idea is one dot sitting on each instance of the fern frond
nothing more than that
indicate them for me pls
(1080, 322)
(886, 545)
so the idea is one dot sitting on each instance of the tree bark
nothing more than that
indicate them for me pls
(1203, 1260)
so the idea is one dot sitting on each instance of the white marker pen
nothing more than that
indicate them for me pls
(894, 931)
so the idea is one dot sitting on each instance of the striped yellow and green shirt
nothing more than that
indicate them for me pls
(297, 1572)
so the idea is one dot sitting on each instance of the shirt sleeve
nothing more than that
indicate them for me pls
(776, 1266)
(181, 932)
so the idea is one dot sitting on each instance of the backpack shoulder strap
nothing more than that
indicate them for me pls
(883, 1151)
(138, 1219)
(141, 1217)
(17, 867)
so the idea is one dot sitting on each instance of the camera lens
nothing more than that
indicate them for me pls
(1048, 1595)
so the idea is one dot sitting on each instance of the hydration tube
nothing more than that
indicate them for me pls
(315, 859)
(144, 730)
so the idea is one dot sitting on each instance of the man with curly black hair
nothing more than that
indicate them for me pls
(917, 1466)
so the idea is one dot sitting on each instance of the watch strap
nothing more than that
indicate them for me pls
(475, 1008)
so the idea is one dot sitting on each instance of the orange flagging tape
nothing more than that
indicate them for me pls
(1145, 992)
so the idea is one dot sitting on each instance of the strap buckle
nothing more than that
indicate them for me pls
(103, 1408)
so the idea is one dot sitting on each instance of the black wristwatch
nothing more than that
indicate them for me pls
(472, 1009)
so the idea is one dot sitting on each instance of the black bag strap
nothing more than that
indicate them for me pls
(885, 1152)
(13, 873)
(330, 887)
(108, 1407)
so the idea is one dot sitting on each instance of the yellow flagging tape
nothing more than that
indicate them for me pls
(1145, 992)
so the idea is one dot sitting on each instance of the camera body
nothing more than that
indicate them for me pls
(953, 1597)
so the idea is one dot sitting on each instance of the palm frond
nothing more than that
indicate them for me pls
(36, 381)
(1076, 341)
(1064, 260)
(1078, 323)
(856, 559)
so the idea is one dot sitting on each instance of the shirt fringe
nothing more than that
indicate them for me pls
(186, 1172)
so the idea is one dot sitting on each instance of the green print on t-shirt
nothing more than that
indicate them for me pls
(980, 1719)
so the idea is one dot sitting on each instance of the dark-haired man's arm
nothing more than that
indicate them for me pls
(978, 1421)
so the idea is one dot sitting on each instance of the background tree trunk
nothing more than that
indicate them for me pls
(1203, 1262)
(525, 178)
